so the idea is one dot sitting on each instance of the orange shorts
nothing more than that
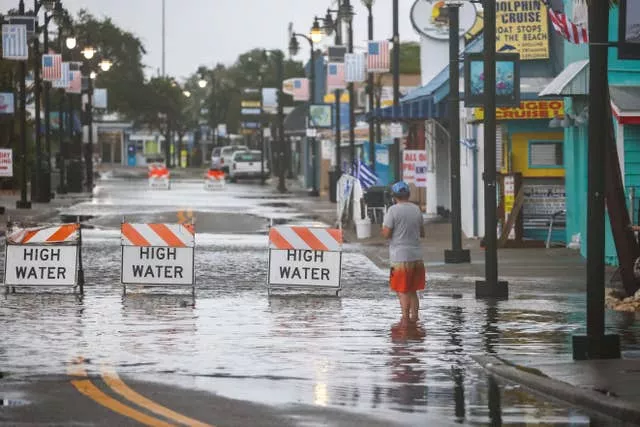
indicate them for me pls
(407, 276)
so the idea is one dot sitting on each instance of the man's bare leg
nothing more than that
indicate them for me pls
(405, 307)
(414, 306)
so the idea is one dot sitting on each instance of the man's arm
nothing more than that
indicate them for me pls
(387, 225)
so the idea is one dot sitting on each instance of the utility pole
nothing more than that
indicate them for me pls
(36, 173)
(164, 38)
(456, 255)
(372, 129)
(597, 345)
(352, 98)
(396, 84)
(491, 287)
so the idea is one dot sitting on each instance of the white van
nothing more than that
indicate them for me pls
(221, 156)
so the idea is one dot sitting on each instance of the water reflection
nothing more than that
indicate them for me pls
(407, 372)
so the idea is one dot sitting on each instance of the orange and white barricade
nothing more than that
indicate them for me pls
(214, 179)
(48, 255)
(159, 176)
(158, 254)
(309, 257)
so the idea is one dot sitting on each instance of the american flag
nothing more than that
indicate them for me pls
(335, 76)
(52, 67)
(576, 34)
(14, 42)
(300, 89)
(365, 175)
(354, 67)
(378, 57)
(75, 82)
(63, 81)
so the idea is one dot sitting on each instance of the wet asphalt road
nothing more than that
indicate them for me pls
(235, 356)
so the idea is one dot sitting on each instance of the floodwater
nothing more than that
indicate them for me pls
(293, 348)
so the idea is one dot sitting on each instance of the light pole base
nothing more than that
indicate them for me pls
(499, 290)
(314, 193)
(460, 256)
(23, 205)
(587, 347)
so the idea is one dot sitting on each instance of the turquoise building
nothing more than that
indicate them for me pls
(573, 84)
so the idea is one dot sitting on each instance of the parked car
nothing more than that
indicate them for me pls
(221, 159)
(246, 164)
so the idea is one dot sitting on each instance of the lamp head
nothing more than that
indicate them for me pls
(105, 65)
(294, 46)
(316, 31)
(71, 42)
(202, 83)
(186, 93)
(89, 51)
(345, 12)
(328, 23)
(93, 75)
(368, 3)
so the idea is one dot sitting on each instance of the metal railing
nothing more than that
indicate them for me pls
(553, 219)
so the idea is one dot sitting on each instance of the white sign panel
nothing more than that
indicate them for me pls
(27, 265)
(6, 162)
(396, 130)
(411, 160)
(299, 267)
(6, 103)
(157, 265)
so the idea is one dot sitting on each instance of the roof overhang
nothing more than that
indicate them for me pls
(572, 81)
(625, 104)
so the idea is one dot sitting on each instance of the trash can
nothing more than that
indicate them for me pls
(75, 177)
(42, 192)
(333, 182)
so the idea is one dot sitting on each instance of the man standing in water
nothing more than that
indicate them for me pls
(403, 225)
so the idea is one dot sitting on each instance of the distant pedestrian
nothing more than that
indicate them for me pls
(404, 226)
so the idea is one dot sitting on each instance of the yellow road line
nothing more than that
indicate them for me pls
(87, 388)
(113, 380)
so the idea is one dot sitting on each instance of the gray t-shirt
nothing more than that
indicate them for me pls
(405, 221)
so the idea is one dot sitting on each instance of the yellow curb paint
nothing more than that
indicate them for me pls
(112, 379)
(87, 388)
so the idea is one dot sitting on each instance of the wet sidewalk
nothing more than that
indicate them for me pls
(39, 212)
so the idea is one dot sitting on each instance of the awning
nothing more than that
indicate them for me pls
(295, 123)
(572, 81)
(625, 104)
(424, 103)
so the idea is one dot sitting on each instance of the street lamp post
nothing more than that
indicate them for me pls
(316, 36)
(23, 203)
(89, 52)
(330, 26)
(70, 43)
(346, 14)
(372, 143)
(282, 187)
(396, 84)
(456, 255)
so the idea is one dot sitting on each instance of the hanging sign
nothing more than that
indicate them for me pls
(522, 27)
(528, 110)
(414, 167)
(6, 162)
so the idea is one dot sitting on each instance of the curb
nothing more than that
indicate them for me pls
(588, 399)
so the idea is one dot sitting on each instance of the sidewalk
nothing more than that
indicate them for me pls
(524, 266)
(39, 212)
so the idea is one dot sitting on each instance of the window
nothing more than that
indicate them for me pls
(247, 157)
(546, 154)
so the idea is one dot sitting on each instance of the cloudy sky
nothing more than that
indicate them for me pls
(210, 31)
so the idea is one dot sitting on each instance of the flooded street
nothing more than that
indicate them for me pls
(293, 349)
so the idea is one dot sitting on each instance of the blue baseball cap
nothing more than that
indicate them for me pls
(400, 188)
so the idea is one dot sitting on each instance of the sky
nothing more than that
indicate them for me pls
(205, 32)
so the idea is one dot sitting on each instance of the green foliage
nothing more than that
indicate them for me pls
(125, 80)
(409, 58)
